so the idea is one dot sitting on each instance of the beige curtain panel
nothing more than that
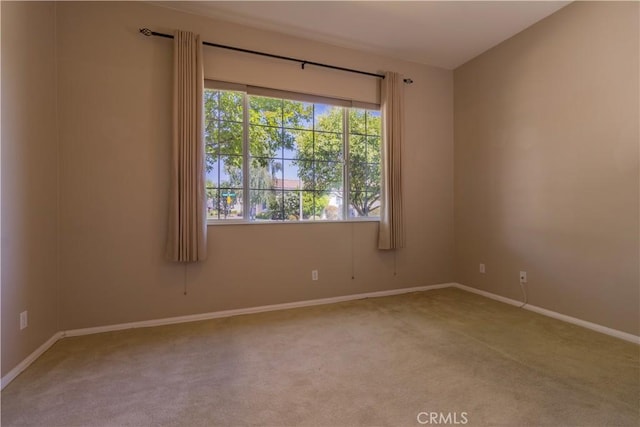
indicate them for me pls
(391, 231)
(187, 239)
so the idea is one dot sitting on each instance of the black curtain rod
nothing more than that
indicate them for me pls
(148, 32)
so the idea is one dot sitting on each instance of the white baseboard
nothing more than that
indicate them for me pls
(240, 311)
(589, 325)
(29, 360)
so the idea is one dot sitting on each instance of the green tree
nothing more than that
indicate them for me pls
(224, 123)
(223, 128)
(279, 129)
(259, 177)
(224, 140)
(284, 206)
(364, 160)
(319, 161)
(313, 206)
(325, 172)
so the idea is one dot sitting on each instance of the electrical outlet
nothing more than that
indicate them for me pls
(523, 277)
(482, 269)
(314, 274)
(24, 321)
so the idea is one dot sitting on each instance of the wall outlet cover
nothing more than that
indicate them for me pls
(24, 320)
(523, 277)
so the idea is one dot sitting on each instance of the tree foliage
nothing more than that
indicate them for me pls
(364, 161)
(289, 138)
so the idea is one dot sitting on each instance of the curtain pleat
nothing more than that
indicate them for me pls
(391, 230)
(187, 238)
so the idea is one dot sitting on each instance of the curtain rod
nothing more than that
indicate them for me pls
(147, 32)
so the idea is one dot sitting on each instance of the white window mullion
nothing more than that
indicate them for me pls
(245, 159)
(345, 167)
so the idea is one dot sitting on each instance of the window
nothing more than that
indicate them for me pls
(272, 158)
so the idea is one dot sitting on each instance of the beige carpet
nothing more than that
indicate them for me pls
(370, 362)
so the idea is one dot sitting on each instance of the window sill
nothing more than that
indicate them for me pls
(216, 223)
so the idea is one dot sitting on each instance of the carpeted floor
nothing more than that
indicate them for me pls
(378, 361)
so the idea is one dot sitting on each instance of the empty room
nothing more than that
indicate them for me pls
(314, 213)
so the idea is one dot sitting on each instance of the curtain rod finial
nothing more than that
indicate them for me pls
(147, 32)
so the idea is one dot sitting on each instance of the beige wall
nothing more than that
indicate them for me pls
(29, 179)
(546, 165)
(114, 107)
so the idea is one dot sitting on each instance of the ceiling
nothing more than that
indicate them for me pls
(440, 33)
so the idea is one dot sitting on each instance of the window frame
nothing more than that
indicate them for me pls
(346, 105)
